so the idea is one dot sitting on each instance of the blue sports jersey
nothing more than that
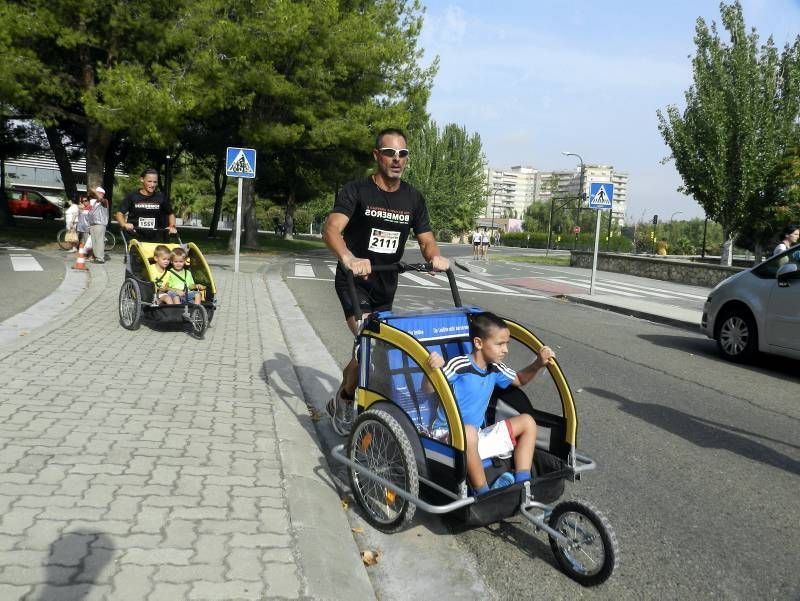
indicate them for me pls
(473, 386)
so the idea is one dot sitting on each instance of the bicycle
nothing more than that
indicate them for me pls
(110, 240)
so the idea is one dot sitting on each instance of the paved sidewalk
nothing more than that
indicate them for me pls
(157, 466)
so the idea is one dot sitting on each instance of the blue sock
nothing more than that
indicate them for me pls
(482, 490)
(521, 476)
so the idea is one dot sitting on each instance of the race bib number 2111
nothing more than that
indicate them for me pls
(383, 241)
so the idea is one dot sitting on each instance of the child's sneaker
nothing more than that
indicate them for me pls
(503, 480)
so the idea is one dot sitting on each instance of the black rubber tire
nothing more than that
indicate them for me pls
(130, 304)
(583, 524)
(63, 244)
(110, 241)
(198, 321)
(394, 461)
(737, 336)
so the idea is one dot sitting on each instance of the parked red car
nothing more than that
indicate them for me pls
(30, 203)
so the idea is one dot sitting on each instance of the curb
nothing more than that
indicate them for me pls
(638, 313)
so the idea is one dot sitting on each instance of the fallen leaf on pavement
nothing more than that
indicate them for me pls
(370, 558)
(315, 415)
(345, 503)
(357, 530)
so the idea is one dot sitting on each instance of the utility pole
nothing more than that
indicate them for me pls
(580, 191)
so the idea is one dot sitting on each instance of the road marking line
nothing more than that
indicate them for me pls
(687, 294)
(512, 293)
(488, 284)
(25, 263)
(303, 270)
(332, 268)
(601, 288)
(461, 283)
(428, 283)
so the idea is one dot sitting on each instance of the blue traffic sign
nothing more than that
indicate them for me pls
(240, 162)
(601, 194)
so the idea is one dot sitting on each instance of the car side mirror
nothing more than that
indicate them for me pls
(787, 272)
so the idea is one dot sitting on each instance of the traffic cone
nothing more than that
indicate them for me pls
(80, 260)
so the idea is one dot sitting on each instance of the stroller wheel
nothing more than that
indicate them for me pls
(198, 320)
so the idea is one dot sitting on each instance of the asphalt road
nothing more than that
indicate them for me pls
(24, 286)
(699, 459)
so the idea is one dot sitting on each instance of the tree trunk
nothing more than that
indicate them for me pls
(6, 218)
(62, 160)
(249, 212)
(220, 183)
(98, 139)
(727, 248)
(110, 162)
(758, 253)
(288, 221)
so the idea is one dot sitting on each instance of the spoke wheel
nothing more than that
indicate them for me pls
(110, 241)
(379, 443)
(593, 551)
(198, 321)
(63, 244)
(130, 305)
(738, 337)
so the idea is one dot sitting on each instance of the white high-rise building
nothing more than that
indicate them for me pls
(510, 192)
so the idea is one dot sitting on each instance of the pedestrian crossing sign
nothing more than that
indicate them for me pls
(240, 162)
(601, 195)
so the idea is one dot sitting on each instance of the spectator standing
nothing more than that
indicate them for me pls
(71, 222)
(484, 243)
(476, 244)
(789, 237)
(83, 224)
(98, 221)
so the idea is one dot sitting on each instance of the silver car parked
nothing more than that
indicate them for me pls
(757, 310)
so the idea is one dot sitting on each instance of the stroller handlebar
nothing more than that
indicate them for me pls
(399, 267)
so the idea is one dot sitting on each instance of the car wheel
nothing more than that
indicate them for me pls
(737, 338)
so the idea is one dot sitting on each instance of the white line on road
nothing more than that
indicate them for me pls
(623, 285)
(427, 282)
(487, 284)
(596, 287)
(459, 279)
(303, 270)
(25, 263)
(696, 296)
(509, 292)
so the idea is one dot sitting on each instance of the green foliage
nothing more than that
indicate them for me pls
(447, 167)
(739, 122)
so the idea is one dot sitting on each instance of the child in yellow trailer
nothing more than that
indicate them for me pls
(181, 283)
(161, 258)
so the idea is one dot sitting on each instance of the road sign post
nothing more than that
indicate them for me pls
(601, 197)
(239, 163)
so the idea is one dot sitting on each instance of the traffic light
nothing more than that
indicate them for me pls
(655, 219)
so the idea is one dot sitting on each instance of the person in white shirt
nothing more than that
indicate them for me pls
(789, 237)
(71, 222)
(484, 243)
(476, 244)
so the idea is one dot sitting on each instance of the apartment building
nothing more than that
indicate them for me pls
(511, 191)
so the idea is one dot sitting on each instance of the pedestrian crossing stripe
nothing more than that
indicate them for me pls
(25, 263)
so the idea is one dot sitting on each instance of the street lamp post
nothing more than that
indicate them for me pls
(580, 191)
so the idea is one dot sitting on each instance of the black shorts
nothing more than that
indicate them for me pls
(371, 297)
(476, 244)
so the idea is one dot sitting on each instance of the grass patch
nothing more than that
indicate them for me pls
(37, 234)
(537, 259)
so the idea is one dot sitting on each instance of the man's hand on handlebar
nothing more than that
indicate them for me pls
(440, 263)
(359, 267)
(172, 229)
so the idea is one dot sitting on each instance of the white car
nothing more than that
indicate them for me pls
(757, 310)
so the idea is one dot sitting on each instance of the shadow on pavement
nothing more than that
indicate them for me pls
(270, 371)
(769, 364)
(75, 562)
(705, 433)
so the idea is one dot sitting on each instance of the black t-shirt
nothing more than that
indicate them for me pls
(379, 224)
(146, 212)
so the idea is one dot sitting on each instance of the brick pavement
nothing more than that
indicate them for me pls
(158, 466)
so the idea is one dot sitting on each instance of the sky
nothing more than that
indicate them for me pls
(538, 77)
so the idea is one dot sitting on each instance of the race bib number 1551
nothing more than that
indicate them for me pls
(384, 241)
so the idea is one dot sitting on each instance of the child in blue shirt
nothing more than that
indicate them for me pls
(473, 378)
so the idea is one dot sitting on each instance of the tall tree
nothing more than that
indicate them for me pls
(447, 166)
(741, 113)
(94, 67)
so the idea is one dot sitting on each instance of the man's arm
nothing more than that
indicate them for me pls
(545, 358)
(332, 235)
(430, 250)
(171, 223)
(122, 221)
